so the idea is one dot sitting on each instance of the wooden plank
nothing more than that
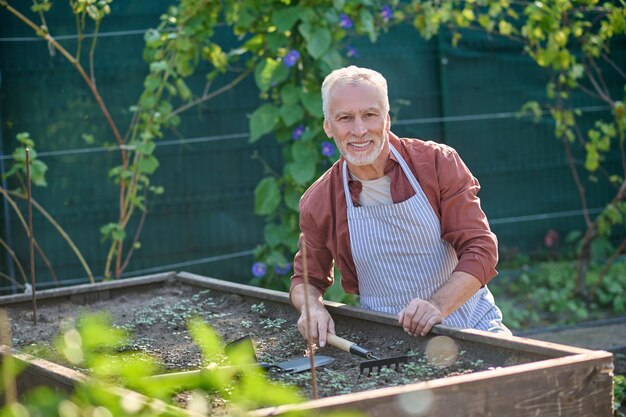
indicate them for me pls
(233, 287)
(574, 386)
(40, 372)
(86, 291)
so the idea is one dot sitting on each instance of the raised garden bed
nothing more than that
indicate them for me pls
(490, 375)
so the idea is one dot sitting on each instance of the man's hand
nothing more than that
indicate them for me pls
(321, 322)
(419, 316)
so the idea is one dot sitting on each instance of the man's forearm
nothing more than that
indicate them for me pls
(298, 294)
(459, 288)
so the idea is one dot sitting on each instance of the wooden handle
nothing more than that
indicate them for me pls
(339, 342)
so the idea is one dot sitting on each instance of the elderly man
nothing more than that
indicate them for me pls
(399, 217)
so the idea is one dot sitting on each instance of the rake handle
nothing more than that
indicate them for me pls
(348, 346)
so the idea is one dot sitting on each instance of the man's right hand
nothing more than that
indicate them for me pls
(321, 323)
(320, 320)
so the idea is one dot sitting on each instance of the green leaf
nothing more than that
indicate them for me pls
(276, 257)
(269, 73)
(148, 100)
(263, 73)
(158, 66)
(367, 20)
(291, 114)
(88, 138)
(285, 18)
(145, 148)
(318, 42)
(306, 30)
(339, 4)
(292, 198)
(183, 90)
(275, 41)
(38, 173)
(97, 333)
(304, 150)
(214, 54)
(302, 172)
(263, 120)
(313, 103)
(148, 164)
(266, 197)
(24, 139)
(207, 339)
(159, 189)
(113, 231)
(290, 94)
(152, 37)
(276, 234)
(333, 59)
(19, 155)
(152, 82)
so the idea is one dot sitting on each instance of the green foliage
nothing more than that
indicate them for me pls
(288, 49)
(93, 344)
(543, 294)
(300, 46)
(38, 168)
(96, 9)
(619, 392)
(565, 38)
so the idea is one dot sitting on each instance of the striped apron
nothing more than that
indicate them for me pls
(399, 255)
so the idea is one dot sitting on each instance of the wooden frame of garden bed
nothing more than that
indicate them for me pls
(536, 378)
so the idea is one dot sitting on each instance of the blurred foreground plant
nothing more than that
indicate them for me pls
(124, 383)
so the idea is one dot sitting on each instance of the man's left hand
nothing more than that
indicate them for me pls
(419, 316)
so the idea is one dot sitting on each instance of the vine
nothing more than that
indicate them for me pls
(567, 38)
(288, 47)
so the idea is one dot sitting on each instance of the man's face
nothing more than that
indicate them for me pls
(358, 123)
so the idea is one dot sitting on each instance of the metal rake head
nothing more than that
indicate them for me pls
(376, 365)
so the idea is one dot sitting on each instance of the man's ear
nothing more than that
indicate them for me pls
(388, 122)
(327, 129)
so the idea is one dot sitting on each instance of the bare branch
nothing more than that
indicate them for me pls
(209, 96)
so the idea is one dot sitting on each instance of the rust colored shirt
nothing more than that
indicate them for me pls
(450, 188)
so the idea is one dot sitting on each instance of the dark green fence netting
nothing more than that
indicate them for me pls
(466, 96)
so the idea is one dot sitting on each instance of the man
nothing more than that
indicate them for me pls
(399, 217)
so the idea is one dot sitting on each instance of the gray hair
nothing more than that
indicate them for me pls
(353, 75)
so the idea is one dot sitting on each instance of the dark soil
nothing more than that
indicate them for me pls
(157, 322)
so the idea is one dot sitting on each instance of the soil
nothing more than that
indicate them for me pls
(157, 319)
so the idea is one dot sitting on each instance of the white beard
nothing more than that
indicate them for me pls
(367, 159)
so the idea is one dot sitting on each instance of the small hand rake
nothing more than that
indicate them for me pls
(374, 363)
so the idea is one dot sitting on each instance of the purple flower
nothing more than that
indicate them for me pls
(344, 21)
(328, 149)
(386, 13)
(259, 269)
(297, 132)
(284, 270)
(351, 52)
(291, 58)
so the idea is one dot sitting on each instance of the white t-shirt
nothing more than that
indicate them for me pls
(375, 192)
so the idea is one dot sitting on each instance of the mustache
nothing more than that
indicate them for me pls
(366, 138)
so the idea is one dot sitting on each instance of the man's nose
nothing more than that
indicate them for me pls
(359, 128)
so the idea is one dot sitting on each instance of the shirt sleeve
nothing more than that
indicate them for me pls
(319, 260)
(464, 224)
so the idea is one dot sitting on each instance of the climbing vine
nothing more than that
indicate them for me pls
(569, 39)
(288, 47)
